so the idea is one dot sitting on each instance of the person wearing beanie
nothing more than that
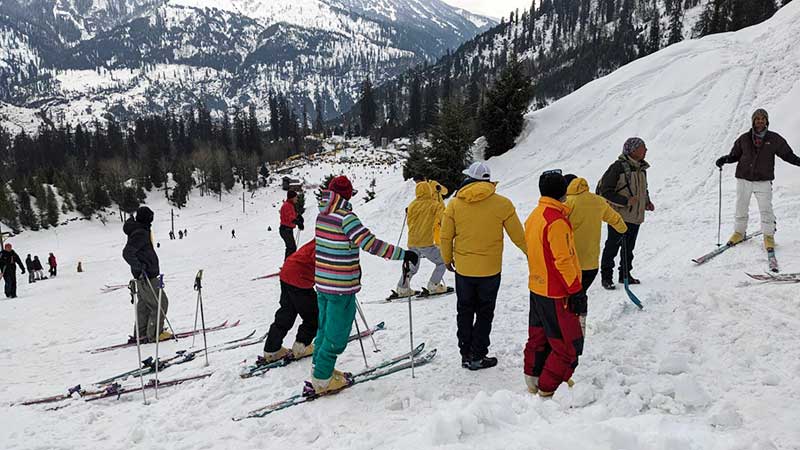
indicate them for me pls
(472, 247)
(340, 236)
(8, 259)
(624, 186)
(587, 213)
(423, 217)
(555, 338)
(289, 219)
(754, 152)
(143, 261)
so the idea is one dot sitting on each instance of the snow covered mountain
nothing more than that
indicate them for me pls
(709, 364)
(83, 59)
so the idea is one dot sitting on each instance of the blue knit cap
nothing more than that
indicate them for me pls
(632, 144)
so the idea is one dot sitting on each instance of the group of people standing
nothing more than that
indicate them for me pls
(561, 240)
(9, 259)
(35, 269)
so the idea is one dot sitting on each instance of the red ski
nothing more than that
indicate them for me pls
(183, 334)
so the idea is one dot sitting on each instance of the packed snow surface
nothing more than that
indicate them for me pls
(710, 362)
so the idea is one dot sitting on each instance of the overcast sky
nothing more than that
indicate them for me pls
(492, 8)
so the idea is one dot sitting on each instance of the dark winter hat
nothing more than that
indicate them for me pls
(569, 177)
(342, 186)
(760, 112)
(552, 184)
(144, 215)
(632, 144)
(291, 194)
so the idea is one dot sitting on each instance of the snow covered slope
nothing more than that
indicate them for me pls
(709, 364)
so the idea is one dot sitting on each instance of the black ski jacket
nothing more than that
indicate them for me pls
(7, 260)
(139, 252)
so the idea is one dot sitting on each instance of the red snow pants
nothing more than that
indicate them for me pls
(554, 342)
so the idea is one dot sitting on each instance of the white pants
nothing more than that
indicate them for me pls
(763, 193)
(433, 255)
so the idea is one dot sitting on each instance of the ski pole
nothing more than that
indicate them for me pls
(198, 286)
(135, 300)
(158, 327)
(719, 222)
(196, 311)
(364, 319)
(406, 269)
(361, 342)
(402, 229)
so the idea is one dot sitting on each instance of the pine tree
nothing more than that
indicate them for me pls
(501, 117)
(654, 39)
(27, 218)
(52, 208)
(415, 107)
(324, 186)
(430, 107)
(449, 152)
(130, 200)
(675, 23)
(8, 209)
(368, 108)
(36, 189)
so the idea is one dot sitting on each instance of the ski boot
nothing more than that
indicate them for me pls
(300, 350)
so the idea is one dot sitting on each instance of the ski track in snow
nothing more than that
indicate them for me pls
(710, 362)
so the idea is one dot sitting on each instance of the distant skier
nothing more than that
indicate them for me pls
(185, 233)
(31, 270)
(180, 234)
(233, 234)
(51, 261)
(586, 214)
(754, 152)
(472, 241)
(624, 185)
(424, 216)
(289, 219)
(38, 268)
(171, 235)
(141, 257)
(8, 257)
(554, 331)
(297, 298)
(339, 237)
(80, 267)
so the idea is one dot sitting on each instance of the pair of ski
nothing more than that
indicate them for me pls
(417, 295)
(776, 278)
(261, 367)
(183, 334)
(771, 258)
(388, 367)
(148, 367)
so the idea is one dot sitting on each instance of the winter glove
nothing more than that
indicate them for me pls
(721, 161)
(450, 266)
(300, 226)
(577, 303)
(23, 271)
(411, 257)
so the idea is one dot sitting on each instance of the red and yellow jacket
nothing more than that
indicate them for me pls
(555, 271)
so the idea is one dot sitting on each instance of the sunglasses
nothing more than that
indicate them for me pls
(552, 171)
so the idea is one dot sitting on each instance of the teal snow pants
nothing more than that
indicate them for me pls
(336, 314)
